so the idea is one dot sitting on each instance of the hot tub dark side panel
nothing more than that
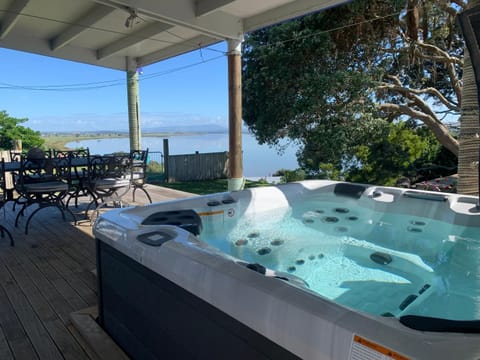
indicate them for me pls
(151, 317)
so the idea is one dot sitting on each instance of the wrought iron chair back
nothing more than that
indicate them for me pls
(44, 182)
(78, 173)
(3, 200)
(108, 180)
(139, 172)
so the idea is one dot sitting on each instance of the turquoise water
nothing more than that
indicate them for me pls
(383, 264)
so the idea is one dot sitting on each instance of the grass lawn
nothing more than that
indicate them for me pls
(205, 187)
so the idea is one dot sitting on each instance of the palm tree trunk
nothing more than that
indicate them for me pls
(469, 129)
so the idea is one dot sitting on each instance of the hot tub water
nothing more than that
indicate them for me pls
(383, 264)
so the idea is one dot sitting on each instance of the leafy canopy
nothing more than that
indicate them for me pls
(10, 130)
(338, 83)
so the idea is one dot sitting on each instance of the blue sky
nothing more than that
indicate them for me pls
(188, 89)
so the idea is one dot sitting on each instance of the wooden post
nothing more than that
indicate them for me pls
(166, 154)
(133, 105)
(236, 180)
(17, 145)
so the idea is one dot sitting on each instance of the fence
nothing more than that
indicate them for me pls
(157, 157)
(197, 167)
(155, 167)
(187, 167)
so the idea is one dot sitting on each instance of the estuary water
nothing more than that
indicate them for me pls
(258, 160)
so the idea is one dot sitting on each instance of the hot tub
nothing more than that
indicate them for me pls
(310, 270)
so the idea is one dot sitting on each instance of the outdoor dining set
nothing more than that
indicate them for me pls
(57, 178)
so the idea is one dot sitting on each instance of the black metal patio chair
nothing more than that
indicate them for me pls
(139, 160)
(3, 200)
(78, 174)
(43, 182)
(108, 181)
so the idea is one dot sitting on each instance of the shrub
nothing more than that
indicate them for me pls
(293, 175)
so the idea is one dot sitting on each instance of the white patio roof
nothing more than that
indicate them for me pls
(106, 32)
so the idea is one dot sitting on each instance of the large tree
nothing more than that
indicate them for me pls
(10, 130)
(336, 80)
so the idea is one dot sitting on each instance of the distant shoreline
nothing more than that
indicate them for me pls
(58, 140)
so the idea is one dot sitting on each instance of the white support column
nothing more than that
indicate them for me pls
(236, 180)
(133, 105)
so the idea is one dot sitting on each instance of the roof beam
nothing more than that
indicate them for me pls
(12, 16)
(80, 25)
(28, 43)
(130, 40)
(204, 7)
(221, 26)
(289, 11)
(178, 49)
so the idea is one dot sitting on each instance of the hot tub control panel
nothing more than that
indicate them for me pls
(156, 238)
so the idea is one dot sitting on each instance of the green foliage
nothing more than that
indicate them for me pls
(299, 76)
(154, 167)
(329, 171)
(262, 181)
(320, 87)
(407, 151)
(314, 86)
(293, 175)
(10, 130)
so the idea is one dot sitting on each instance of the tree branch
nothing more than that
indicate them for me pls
(430, 90)
(450, 62)
(440, 131)
(442, 59)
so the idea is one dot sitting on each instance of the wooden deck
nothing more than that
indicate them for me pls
(45, 277)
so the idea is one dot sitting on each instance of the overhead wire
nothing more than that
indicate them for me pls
(119, 82)
(103, 84)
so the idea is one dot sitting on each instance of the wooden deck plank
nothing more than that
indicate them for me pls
(44, 311)
(45, 278)
(42, 262)
(76, 260)
(18, 343)
(87, 294)
(76, 268)
(78, 243)
(67, 344)
(37, 334)
(77, 249)
(50, 293)
(5, 352)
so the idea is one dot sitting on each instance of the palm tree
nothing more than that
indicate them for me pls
(468, 155)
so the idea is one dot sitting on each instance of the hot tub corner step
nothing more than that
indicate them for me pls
(97, 340)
